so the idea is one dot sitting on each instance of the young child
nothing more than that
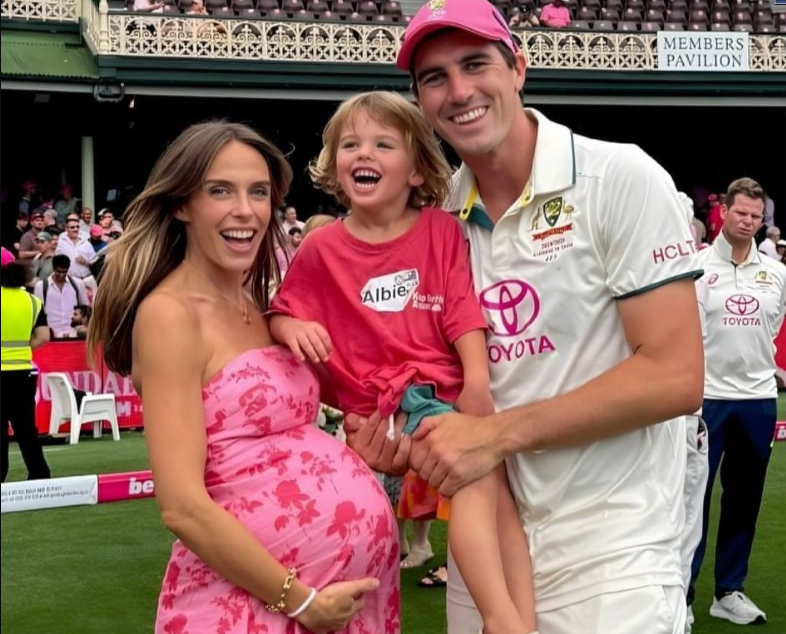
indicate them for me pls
(385, 300)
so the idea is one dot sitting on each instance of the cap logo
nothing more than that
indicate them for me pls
(437, 8)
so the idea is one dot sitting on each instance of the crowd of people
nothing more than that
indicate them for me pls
(433, 317)
(60, 256)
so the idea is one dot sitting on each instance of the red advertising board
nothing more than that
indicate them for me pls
(69, 357)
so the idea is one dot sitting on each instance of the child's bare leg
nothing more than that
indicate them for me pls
(516, 561)
(420, 530)
(474, 540)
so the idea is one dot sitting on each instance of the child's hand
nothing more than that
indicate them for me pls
(306, 338)
(475, 400)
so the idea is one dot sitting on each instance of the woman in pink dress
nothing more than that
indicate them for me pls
(282, 529)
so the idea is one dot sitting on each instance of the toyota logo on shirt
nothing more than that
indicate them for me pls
(742, 305)
(511, 307)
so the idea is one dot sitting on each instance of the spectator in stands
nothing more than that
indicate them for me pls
(96, 238)
(740, 391)
(290, 220)
(80, 320)
(66, 204)
(769, 246)
(284, 255)
(201, 27)
(714, 219)
(295, 238)
(108, 216)
(148, 6)
(112, 228)
(78, 249)
(30, 199)
(28, 248)
(15, 237)
(41, 266)
(61, 293)
(24, 328)
(522, 17)
(555, 15)
(50, 220)
(85, 220)
(197, 7)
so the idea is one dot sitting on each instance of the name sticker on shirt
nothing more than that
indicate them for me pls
(390, 293)
(557, 236)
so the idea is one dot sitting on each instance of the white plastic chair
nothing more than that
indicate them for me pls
(95, 408)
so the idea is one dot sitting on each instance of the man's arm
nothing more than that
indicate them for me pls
(40, 336)
(41, 333)
(662, 379)
(27, 247)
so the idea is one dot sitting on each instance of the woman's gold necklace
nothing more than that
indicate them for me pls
(242, 307)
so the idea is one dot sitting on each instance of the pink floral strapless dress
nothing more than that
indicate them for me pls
(310, 500)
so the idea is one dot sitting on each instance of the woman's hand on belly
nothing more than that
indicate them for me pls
(336, 604)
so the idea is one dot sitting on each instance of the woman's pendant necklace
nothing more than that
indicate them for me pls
(242, 307)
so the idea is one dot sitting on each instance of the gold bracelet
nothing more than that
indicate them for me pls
(290, 579)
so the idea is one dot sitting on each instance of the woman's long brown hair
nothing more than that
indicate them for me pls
(154, 241)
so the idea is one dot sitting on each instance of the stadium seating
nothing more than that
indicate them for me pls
(650, 16)
(343, 8)
(368, 8)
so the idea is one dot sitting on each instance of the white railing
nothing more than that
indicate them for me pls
(92, 24)
(186, 37)
(44, 10)
(254, 40)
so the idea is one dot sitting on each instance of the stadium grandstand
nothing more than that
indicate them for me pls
(92, 91)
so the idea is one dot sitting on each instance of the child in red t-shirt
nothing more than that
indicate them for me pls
(385, 300)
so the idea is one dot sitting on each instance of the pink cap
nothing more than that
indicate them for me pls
(474, 16)
(96, 231)
(6, 257)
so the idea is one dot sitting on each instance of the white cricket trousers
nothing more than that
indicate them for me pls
(645, 610)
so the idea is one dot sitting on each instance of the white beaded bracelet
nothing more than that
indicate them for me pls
(304, 606)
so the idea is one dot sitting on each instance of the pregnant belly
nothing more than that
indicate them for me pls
(314, 504)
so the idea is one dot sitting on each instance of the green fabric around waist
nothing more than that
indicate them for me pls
(418, 402)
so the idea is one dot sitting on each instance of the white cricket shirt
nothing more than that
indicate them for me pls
(743, 309)
(598, 222)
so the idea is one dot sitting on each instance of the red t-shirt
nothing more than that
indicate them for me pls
(393, 310)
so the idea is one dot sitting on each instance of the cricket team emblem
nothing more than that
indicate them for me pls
(552, 210)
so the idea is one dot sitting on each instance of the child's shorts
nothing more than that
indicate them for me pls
(418, 402)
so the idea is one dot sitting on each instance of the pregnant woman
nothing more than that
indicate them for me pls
(282, 530)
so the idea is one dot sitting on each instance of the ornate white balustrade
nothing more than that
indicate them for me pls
(186, 37)
(45, 10)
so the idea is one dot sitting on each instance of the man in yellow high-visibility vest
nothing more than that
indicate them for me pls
(24, 327)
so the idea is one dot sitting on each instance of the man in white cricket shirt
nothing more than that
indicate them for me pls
(744, 308)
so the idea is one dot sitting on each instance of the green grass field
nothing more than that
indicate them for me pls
(97, 569)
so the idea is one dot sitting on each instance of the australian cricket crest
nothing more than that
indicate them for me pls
(557, 238)
(552, 210)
